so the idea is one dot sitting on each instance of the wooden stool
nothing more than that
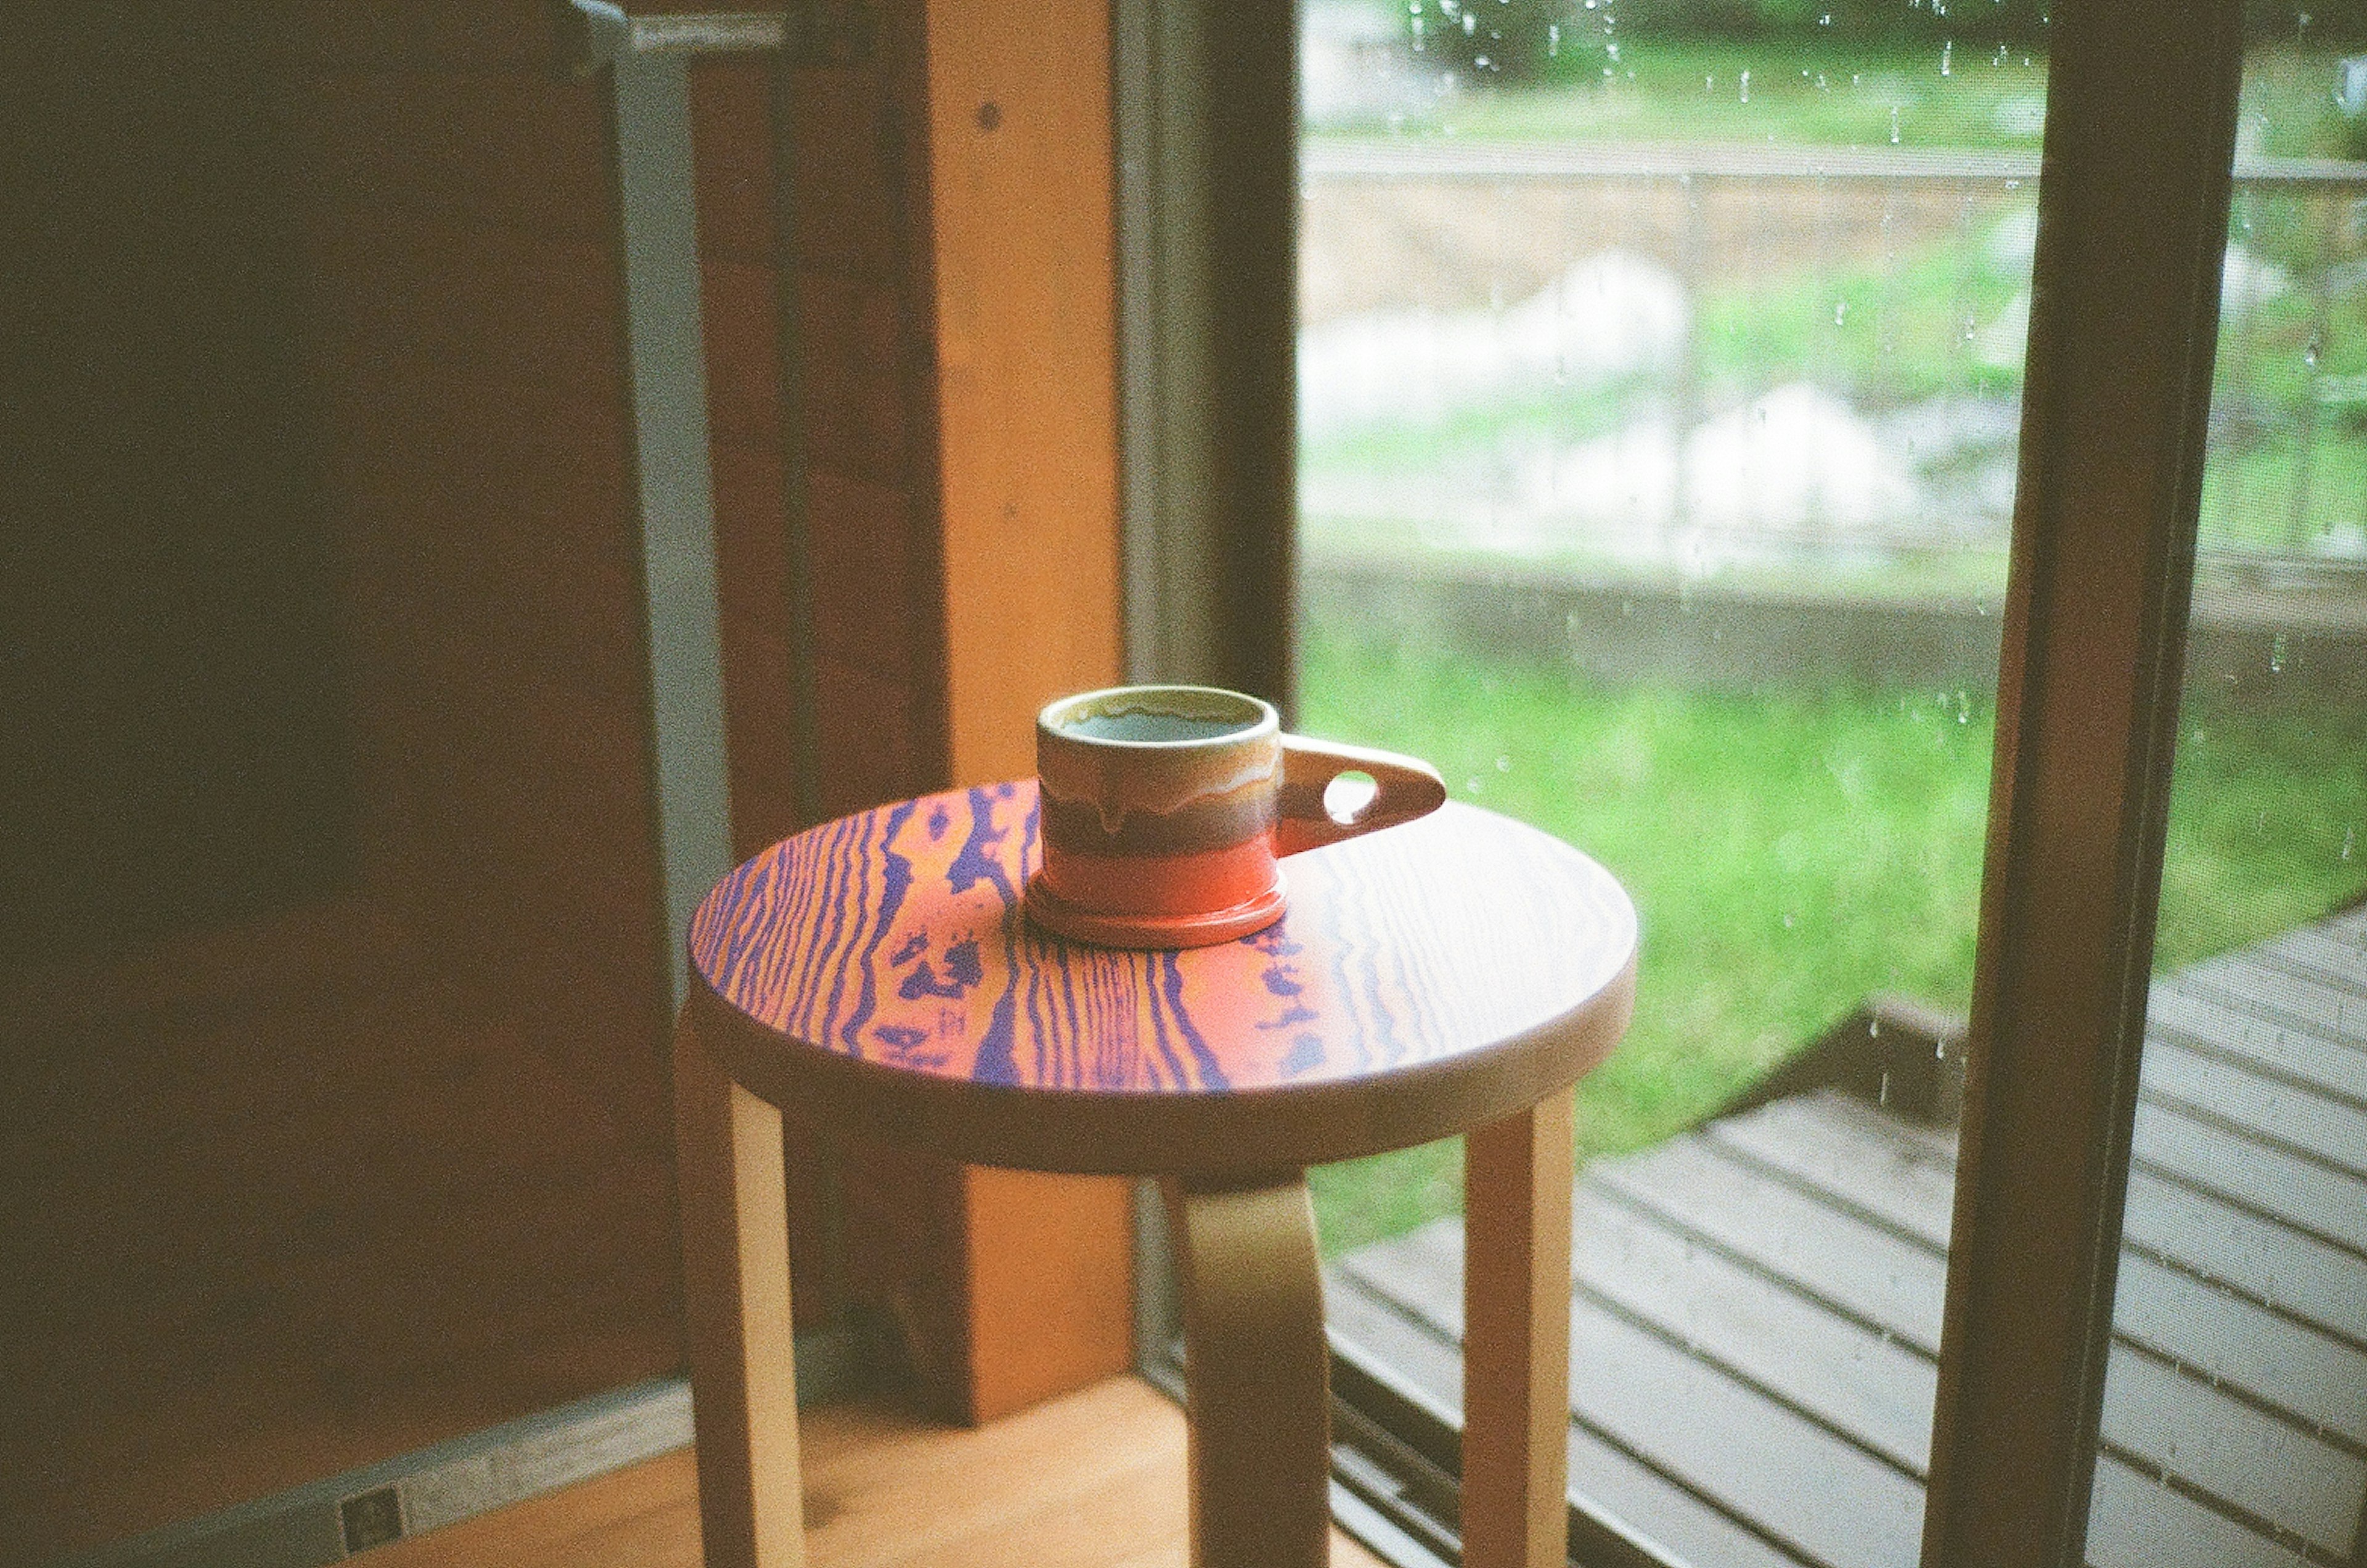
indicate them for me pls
(1457, 975)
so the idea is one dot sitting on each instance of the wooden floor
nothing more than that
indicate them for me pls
(1094, 1480)
(1756, 1305)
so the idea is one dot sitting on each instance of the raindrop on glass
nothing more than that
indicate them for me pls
(2310, 351)
(2277, 654)
(1746, 87)
(1840, 311)
(1947, 57)
(1894, 121)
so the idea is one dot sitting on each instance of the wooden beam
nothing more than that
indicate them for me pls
(1023, 263)
(1025, 279)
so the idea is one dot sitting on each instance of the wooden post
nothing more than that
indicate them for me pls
(1022, 267)
(1516, 1220)
(736, 1300)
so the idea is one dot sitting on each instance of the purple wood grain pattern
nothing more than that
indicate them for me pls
(895, 936)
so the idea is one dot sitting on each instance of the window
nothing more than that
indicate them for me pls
(1656, 459)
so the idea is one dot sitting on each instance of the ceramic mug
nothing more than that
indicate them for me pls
(1165, 810)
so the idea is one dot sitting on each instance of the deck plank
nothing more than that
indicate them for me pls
(1882, 1279)
(1871, 1388)
(1748, 1329)
(2318, 1380)
(2196, 1019)
(2329, 1011)
(1833, 1143)
(2251, 1255)
(2267, 1467)
(1756, 1305)
(2316, 951)
(1677, 1522)
(2133, 1521)
(1827, 1499)
(2279, 1114)
(2304, 1193)
(2256, 1257)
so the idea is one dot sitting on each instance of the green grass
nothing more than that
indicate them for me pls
(1798, 94)
(1793, 852)
(1814, 92)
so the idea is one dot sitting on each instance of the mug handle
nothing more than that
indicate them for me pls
(1408, 788)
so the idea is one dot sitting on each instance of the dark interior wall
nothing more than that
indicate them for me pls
(172, 723)
(465, 354)
(315, 495)
(320, 585)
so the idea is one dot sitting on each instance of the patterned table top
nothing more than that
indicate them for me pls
(1446, 968)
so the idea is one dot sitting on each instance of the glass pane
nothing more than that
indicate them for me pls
(2235, 1425)
(1660, 381)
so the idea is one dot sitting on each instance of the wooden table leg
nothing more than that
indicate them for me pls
(1257, 1370)
(1516, 1218)
(735, 1245)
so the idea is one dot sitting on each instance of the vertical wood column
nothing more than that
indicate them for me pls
(1516, 1220)
(1021, 220)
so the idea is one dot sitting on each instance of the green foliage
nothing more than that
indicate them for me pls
(1793, 852)
(1489, 40)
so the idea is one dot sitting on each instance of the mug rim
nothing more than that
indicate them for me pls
(1266, 719)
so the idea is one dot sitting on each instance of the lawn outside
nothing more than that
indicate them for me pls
(1795, 852)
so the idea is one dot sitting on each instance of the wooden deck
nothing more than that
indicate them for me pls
(1756, 1305)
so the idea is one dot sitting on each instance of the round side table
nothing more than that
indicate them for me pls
(1455, 976)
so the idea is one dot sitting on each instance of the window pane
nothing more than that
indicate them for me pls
(1659, 382)
(2236, 1399)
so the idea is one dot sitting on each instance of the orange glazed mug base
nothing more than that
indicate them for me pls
(1056, 915)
